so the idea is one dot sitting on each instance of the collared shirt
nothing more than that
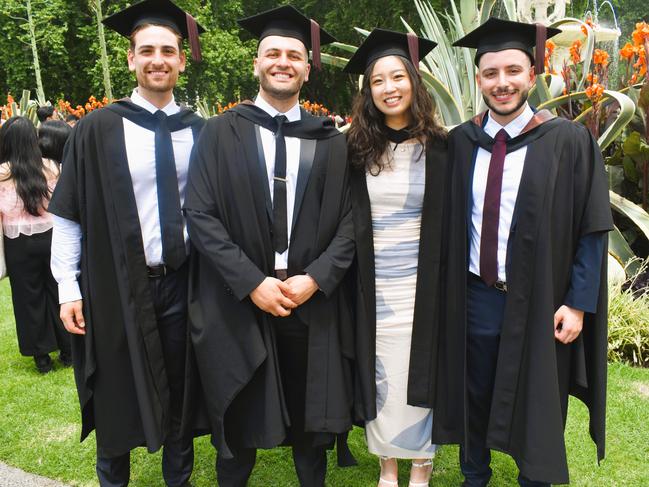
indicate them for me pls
(512, 172)
(292, 166)
(140, 152)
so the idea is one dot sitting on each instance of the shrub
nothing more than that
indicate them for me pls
(628, 322)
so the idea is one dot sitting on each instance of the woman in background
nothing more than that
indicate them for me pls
(52, 136)
(26, 183)
(397, 154)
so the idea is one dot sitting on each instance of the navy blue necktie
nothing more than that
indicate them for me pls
(280, 229)
(171, 221)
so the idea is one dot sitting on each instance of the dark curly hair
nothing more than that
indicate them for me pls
(367, 138)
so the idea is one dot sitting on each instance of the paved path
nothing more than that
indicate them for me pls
(14, 477)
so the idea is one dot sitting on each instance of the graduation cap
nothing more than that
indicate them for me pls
(287, 21)
(382, 42)
(158, 12)
(498, 34)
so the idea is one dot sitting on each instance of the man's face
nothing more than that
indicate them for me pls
(282, 66)
(156, 59)
(505, 78)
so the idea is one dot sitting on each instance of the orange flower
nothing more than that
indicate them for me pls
(10, 99)
(640, 34)
(549, 49)
(627, 52)
(594, 92)
(575, 51)
(641, 63)
(590, 24)
(634, 79)
(592, 78)
(600, 57)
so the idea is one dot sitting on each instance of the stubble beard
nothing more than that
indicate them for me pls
(521, 102)
(285, 93)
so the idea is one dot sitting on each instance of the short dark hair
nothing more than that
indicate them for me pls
(52, 136)
(44, 112)
(71, 118)
(179, 38)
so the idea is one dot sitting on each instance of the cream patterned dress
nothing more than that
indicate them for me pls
(396, 198)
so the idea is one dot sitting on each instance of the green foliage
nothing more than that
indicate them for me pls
(629, 324)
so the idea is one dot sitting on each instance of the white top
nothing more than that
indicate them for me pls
(292, 166)
(140, 152)
(512, 172)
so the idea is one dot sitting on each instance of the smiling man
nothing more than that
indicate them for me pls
(119, 252)
(268, 210)
(526, 301)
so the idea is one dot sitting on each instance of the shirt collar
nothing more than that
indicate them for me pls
(292, 115)
(140, 101)
(513, 128)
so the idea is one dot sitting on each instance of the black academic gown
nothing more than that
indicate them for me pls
(426, 315)
(229, 214)
(118, 364)
(563, 196)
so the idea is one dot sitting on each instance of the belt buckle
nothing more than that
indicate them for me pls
(159, 270)
(501, 286)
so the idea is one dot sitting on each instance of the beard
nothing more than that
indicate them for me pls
(159, 87)
(503, 113)
(283, 92)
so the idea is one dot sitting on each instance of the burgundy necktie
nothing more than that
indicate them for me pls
(491, 211)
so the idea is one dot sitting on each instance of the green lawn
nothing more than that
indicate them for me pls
(39, 432)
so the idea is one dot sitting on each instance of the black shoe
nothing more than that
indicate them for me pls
(66, 359)
(43, 363)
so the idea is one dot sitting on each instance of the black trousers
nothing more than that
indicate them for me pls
(309, 449)
(486, 307)
(35, 295)
(170, 304)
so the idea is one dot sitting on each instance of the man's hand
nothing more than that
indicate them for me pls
(301, 288)
(270, 296)
(71, 315)
(567, 324)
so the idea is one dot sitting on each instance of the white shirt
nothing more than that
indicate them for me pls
(512, 172)
(140, 152)
(292, 166)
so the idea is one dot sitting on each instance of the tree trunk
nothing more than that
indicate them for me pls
(96, 5)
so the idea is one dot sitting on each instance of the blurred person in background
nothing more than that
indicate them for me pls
(45, 113)
(52, 136)
(26, 183)
(71, 120)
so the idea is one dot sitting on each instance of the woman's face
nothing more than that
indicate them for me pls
(391, 90)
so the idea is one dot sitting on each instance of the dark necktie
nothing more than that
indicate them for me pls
(171, 222)
(280, 229)
(491, 211)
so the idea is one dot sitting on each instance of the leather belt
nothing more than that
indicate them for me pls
(160, 270)
(281, 274)
(499, 285)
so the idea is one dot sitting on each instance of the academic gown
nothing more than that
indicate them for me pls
(229, 214)
(563, 196)
(118, 364)
(426, 315)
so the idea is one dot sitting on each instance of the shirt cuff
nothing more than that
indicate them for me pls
(69, 291)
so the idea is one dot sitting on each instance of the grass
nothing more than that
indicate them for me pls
(39, 433)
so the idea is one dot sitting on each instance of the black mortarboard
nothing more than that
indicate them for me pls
(381, 43)
(287, 21)
(158, 12)
(498, 34)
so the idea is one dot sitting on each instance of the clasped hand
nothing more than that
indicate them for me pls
(280, 297)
